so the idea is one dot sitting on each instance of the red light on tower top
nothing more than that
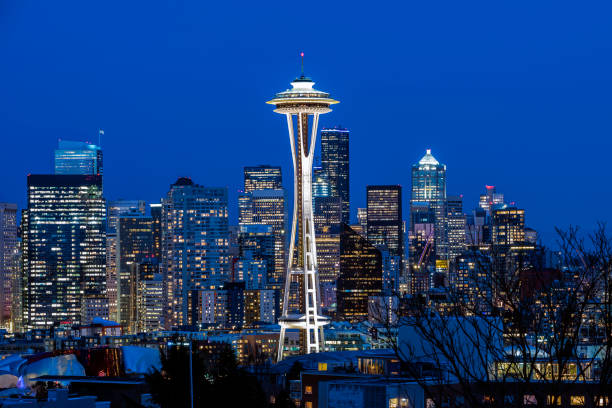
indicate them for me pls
(302, 55)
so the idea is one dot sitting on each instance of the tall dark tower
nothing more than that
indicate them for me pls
(360, 275)
(384, 214)
(306, 104)
(335, 162)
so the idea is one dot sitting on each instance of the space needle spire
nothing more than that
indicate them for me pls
(301, 310)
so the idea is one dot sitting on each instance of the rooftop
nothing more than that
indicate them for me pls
(429, 159)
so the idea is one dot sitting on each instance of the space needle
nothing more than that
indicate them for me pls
(304, 103)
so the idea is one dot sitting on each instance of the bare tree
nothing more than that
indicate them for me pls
(509, 332)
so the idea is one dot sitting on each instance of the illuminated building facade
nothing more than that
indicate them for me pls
(320, 183)
(259, 307)
(306, 104)
(135, 245)
(385, 228)
(470, 278)
(335, 163)
(362, 220)
(490, 199)
(78, 158)
(429, 186)
(256, 242)
(9, 261)
(263, 177)
(267, 207)
(327, 221)
(64, 249)
(117, 208)
(360, 275)
(508, 225)
(111, 273)
(194, 245)
(421, 249)
(149, 304)
(455, 226)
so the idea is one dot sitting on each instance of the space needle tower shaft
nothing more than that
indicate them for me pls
(302, 105)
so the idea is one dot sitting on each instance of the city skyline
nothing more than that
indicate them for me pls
(477, 101)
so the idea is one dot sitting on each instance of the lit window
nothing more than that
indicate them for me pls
(308, 389)
(322, 366)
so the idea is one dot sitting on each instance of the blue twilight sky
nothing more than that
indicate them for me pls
(512, 93)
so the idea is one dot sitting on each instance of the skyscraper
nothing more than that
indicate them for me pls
(9, 251)
(194, 245)
(335, 162)
(117, 208)
(135, 245)
(328, 221)
(303, 101)
(362, 220)
(78, 158)
(267, 207)
(114, 210)
(455, 226)
(508, 225)
(360, 275)
(64, 250)
(429, 186)
(421, 248)
(384, 219)
(257, 242)
(320, 183)
(491, 198)
(263, 177)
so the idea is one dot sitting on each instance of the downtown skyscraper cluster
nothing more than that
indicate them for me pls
(82, 257)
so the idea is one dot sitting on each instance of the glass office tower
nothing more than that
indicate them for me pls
(385, 227)
(9, 260)
(263, 177)
(429, 186)
(64, 250)
(78, 158)
(360, 275)
(335, 162)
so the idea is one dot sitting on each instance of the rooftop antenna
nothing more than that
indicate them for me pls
(100, 134)
(302, 55)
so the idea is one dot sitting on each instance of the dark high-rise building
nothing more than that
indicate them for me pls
(195, 236)
(360, 275)
(470, 278)
(327, 221)
(235, 304)
(9, 262)
(429, 186)
(385, 227)
(156, 215)
(335, 163)
(455, 221)
(256, 242)
(264, 177)
(477, 228)
(78, 158)
(421, 248)
(135, 246)
(64, 250)
(114, 210)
